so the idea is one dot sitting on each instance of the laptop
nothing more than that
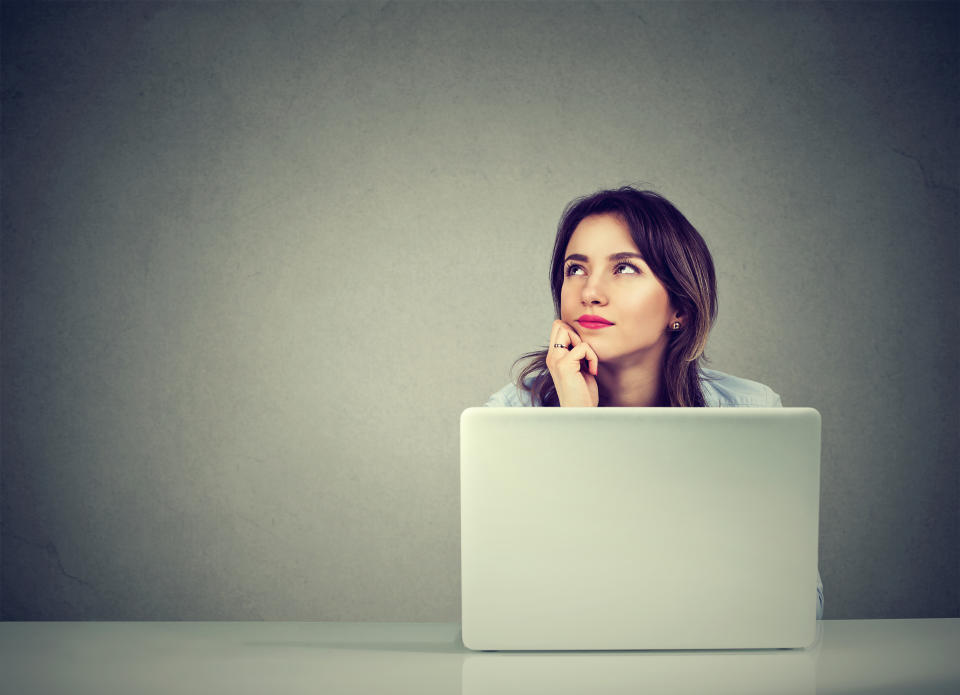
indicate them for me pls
(639, 528)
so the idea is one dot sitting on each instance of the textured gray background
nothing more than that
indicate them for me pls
(258, 257)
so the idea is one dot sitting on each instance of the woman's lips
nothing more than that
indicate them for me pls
(593, 322)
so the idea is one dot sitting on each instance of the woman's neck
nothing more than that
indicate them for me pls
(637, 385)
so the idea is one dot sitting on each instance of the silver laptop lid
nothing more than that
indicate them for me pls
(639, 528)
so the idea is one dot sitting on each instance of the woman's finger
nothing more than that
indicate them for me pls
(592, 360)
(578, 353)
(560, 334)
(559, 342)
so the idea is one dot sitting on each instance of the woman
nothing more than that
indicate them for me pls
(634, 290)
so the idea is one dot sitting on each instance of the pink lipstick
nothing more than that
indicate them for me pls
(593, 322)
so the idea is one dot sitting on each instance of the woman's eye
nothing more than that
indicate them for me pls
(625, 268)
(574, 269)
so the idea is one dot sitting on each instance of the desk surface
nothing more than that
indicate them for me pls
(851, 656)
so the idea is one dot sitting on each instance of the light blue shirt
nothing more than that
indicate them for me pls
(719, 391)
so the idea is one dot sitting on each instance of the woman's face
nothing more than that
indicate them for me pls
(605, 277)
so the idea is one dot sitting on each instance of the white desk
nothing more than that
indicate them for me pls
(852, 656)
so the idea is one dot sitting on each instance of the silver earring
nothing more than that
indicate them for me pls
(676, 325)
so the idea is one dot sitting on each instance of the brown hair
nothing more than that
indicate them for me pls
(677, 255)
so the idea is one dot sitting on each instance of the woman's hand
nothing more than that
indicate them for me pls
(576, 382)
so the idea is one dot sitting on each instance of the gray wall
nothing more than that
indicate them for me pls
(258, 257)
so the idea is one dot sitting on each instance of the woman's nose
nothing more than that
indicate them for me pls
(593, 293)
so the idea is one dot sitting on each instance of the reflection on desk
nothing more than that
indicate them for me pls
(851, 656)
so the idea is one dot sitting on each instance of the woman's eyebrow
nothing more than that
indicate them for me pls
(611, 257)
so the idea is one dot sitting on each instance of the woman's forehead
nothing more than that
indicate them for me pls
(601, 235)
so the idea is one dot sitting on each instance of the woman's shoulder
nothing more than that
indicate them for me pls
(725, 390)
(510, 396)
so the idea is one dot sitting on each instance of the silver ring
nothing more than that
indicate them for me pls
(559, 345)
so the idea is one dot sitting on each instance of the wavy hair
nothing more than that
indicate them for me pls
(678, 257)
